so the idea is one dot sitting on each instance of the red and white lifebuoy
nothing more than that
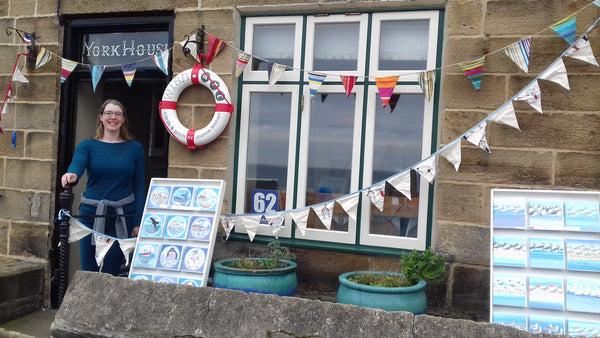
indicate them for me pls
(223, 109)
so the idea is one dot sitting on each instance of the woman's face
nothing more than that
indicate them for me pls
(112, 117)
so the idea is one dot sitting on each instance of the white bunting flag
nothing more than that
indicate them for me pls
(532, 95)
(325, 213)
(477, 137)
(127, 247)
(228, 223)
(275, 222)
(350, 204)
(506, 115)
(376, 195)
(103, 244)
(18, 76)
(76, 231)
(427, 168)
(300, 217)
(251, 224)
(191, 47)
(557, 72)
(275, 73)
(453, 153)
(582, 50)
(401, 183)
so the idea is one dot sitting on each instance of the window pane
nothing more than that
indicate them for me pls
(330, 152)
(403, 45)
(397, 146)
(268, 139)
(273, 43)
(336, 46)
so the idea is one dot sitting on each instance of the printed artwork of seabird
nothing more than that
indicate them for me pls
(152, 225)
(206, 198)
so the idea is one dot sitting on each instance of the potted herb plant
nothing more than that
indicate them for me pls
(275, 274)
(393, 291)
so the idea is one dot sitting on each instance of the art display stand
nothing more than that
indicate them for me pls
(545, 261)
(178, 231)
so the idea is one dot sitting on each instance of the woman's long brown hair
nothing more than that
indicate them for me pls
(123, 132)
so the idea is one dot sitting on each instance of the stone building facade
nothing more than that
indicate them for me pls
(558, 149)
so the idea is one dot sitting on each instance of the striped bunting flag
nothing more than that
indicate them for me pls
(215, 45)
(241, 63)
(348, 81)
(518, 52)
(474, 69)
(386, 87)
(314, 82)
(42, 58)
(96, 72)
(162, 61)
(426, 81)
(67, 67)
(566, 28)
(129, 72)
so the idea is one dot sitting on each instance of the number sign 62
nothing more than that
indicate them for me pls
(265, 201)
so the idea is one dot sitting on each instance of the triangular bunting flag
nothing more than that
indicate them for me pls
(96, 72)
(300, 217)
(314, 82)
(506, 115)
(129, 72)
(325, 213)
(557, 73)
(191, 46)
(474, 69)
(350, 205)
(276, 223)
(394, 101)
(18, 76)
(386, 87)
(453, 153)
(426, 82)
(477, 137)
(103, 244)
(348, 82)
(582, 50)
(518, 52)
(228, 223)
(241, 63)
(76, 231)
(402, 183)
(27, 38)
(126, 247)
(215, 45)
(427, 168)
(67, 67)
(597, 3)
(162, 61)
(275, 72)
(532, 95)
(376, 195)
(42, 58)
(251, 224)
(566, 28)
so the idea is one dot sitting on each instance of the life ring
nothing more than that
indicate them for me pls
(223, 109)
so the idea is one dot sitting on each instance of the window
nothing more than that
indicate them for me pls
(302, 150)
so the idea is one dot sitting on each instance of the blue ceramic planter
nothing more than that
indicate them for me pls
(410, 298)
(281, 281)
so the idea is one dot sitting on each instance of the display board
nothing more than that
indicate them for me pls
(178, 231)
(545, 261)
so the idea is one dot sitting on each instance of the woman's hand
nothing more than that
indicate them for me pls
(68, 178)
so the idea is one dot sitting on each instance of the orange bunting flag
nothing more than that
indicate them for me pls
(215, 45)
(386, 87)
(348, 82)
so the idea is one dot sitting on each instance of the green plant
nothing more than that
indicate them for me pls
(277, 254)
(388, 280)
(427, 265)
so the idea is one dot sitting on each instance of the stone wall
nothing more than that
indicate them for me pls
(554, 150)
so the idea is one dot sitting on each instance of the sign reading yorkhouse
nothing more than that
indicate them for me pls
(178, 231)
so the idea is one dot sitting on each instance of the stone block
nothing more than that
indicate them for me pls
(215, 174)
(29, 174)
(323, 267)
(105, 6)
(45, 7)
(455, 123)
(42, 26)
(575, 170)
(5, 23)
(22, 7)
(44, 88)
(30, 239)
(36, 116)
(470, 290)
(40, 145)
(183, 172)
(459, 92)
(462, 202)
(464, 17)
(468, 244)
(6, 148)
(4, 226)
(21, 283)
(18, 205)
(213, 154)
(3, 9)
(9, 54)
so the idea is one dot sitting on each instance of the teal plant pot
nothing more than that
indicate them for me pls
(409, 299)
(280, 281)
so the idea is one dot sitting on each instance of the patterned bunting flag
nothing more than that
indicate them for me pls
(401, 183)
(96, 72)
(477, 137)
(557, 73)
(314, 82)
(241, 63)
(394, 101)
(582, 50)
(68, 66)
(532, 95)
(426, 81)
(518, 52)
(474, 69)
(129, 72)
(103, 244)
(191, 46)
(325, 213)
(506, 115)
(376, 195)
(350, 205)
(42, 58)
(453, 153)
(228, 223)
(215, 45)
(275, 72)
(566, 28)
(276, 223)
(348, 82)
(386, 87)
(427, 168)
(162, 61)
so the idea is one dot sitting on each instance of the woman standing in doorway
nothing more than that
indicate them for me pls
(115, 165)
